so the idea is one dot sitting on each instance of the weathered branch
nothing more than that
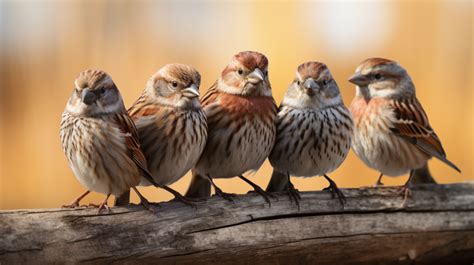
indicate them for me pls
(436, 226)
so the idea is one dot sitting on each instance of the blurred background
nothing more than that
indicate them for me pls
(45, 44)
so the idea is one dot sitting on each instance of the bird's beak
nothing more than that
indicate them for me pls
(310, 86)
(359, 79)
(190, 92)
(255, 77)
(88, 97)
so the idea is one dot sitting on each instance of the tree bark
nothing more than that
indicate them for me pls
(435, 226)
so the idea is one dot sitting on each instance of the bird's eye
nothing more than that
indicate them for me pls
(240, 71)
(266, 73)
(101, 90)
(325, 82)
(377, 76)
(174, 84)
(298, 82)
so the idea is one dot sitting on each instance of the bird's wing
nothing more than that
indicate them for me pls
(412, 124)
(127, 126)
(210, 96)
(142, 108)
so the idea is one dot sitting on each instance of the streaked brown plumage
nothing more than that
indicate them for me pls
(392, 131)
(100, 140)
(170, 122)
(314, 130)
(240, 113)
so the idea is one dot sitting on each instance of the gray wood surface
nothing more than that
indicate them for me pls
(436, 226)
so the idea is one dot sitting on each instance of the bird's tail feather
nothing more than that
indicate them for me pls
(441, 156)
(123, 200)
(422, 176)
(278, 182)
(200, 187)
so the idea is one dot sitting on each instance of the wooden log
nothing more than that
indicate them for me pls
(436, 226)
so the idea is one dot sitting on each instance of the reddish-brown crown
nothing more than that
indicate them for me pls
(372, 62)
(248, 59)
(311, 69)
(252, 60)
(88, 78)
(180, 72)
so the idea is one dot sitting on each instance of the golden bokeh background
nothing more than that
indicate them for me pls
(44, 45)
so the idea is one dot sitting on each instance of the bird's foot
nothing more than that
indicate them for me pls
(379, 181)
(76, 202)
(147, 205)
(103, 207)
(294, 194)
(266, 196)
(227, 196)
(188, 201)
(72, 205)
(335, 191)
(378, 184)
(143, 201)
(179, 197)
(406, 192)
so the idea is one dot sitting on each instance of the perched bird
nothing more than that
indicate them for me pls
(100, 140)
(240, 113)
(314, 130)
(170, 122)
(392, 133)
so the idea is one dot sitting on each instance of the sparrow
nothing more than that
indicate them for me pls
(100, 140)
(240, 113)
(392, 133)
(314, 131)
(170, 122)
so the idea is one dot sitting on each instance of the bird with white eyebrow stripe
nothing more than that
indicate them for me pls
(100, 140)
(392, 133)
(170, 122)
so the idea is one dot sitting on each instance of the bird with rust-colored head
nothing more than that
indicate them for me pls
(314, 130)
(240, 113)
(100, 140)
(392, 132)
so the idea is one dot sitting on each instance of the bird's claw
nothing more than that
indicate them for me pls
(102, 207)
(335, 191)
(378, 184)
(185, 200)
(147, 205)
(227, 196)
(266, 195)
(406, 192)
(294, 194)
(74, 204)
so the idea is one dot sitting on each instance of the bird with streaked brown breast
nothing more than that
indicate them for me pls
(392, 132)
(170, 122)
(240, 113)
(314, 131)
(100, 140)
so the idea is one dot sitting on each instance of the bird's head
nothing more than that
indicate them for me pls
(313, 87)
(94, 94)
(246, 75)
(175, 85)
(382, 78)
